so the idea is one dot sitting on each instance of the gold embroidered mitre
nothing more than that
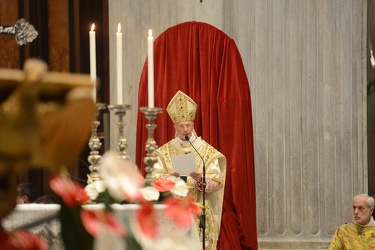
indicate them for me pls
(182, 108)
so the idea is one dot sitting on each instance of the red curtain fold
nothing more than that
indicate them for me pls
(205, 63)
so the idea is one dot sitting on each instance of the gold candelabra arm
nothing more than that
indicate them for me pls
(150, 158)
(94, 145)
(120, 112)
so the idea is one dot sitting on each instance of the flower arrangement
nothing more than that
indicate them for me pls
(121, 183)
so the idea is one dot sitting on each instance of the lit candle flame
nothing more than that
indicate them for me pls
(372, 59)
(149, 32)
(119, 28)
(93, 27)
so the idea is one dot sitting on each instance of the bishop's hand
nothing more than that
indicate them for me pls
(196, 176)
(175, 174)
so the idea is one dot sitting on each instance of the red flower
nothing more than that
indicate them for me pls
(182, 211)
(95, 221)
(164, 185)
(21, 240)
(146, 217)
(71, 192)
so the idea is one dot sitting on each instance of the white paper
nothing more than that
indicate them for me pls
(184, 164)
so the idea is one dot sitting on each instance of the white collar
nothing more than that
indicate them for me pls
(371, 223)
(185, 143)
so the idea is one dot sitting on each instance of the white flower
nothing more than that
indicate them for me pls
(121, 177)
(150, 193)
(94, 189)
(180, 189)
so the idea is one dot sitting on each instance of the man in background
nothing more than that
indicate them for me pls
(26, 193)
(358, 234)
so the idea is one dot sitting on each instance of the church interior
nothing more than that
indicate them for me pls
(285, 91)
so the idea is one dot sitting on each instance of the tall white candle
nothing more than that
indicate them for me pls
(150, 55)
(93, 61)
(119, 64)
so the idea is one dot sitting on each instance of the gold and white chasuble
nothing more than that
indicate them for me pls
(215, 164)
(352, 236)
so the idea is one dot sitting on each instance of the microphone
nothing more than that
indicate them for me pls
(202, 223)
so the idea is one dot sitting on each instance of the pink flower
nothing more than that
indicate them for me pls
(182, 211)
(97, 221)
(21, 240)
(146, 217)
(164, 185)
(71, 192)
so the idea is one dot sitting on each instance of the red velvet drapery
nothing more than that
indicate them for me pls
(204, 63)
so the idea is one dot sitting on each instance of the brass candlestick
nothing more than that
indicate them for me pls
(95, 144)
(150, 158)
(120, 112)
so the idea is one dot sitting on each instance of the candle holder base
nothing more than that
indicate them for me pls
(150, 158)
(95, 145)
(120, 112)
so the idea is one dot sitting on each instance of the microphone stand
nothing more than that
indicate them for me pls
(202, 223)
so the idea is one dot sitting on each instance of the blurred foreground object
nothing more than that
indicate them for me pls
(45, 121)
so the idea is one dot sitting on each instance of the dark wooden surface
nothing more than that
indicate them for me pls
(63, 42)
